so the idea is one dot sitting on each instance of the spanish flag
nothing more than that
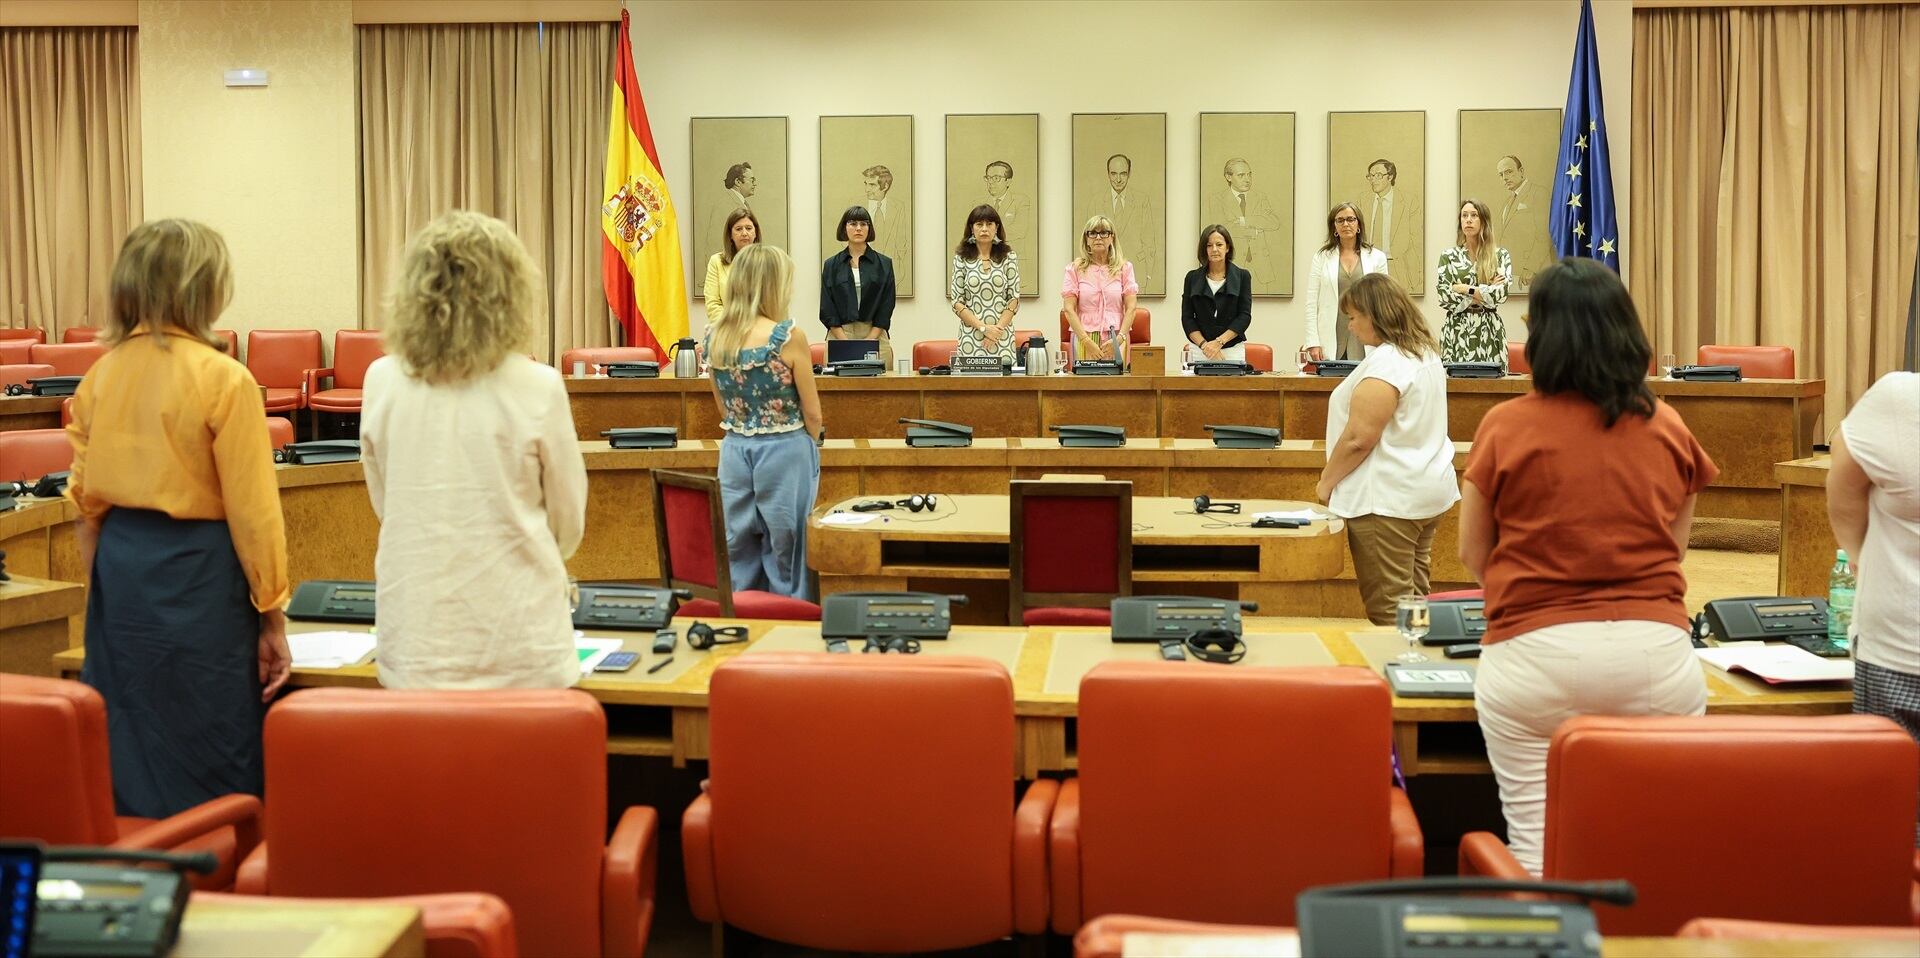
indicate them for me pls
(644, 275)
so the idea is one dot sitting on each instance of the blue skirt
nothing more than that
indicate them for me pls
(172, 645)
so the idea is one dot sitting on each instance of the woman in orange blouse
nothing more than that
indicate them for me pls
(180, 528)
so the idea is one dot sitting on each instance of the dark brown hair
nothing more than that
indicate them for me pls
(1584, 336)
(1359, 235)
(1211, 229)
(967, 250)
(727, 249)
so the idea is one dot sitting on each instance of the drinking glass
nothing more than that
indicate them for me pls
(1305, 360)
(573, 595)
(1666, 364)
(1411, 616)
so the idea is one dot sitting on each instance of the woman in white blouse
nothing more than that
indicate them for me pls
(474, 471)
(1389, 466)
(1344, 258)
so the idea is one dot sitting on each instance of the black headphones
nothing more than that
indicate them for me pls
(701, 636)
(920, 502)
(46, 487)
(1203, 505)
(892, 643)
(1217, 645)
(18, 389)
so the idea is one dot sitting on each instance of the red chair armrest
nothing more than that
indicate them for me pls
(1063, 858)
(251, 879)
(1483, 854)
(1409, 845)
(1030, 822)
(696, 853)
(241, 812)
(467, 923)
(626, 884)
(310, 382)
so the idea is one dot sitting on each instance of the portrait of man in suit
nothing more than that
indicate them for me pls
(1248, 214)
(1392, 218)
(738, 186)
(1521, 225)
(876, 181)
(1015, 207)
(1131, 219)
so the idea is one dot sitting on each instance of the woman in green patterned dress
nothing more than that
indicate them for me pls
(1473, 283)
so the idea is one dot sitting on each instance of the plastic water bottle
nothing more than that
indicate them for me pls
(1839, 600)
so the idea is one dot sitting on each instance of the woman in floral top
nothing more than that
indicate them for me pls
(770, 458)
(985, 287)
(1473, 283)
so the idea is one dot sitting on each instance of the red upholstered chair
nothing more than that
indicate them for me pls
(1260, 357)
(353, 351)
(1457, 594)
(279, 360)
(14, 352)
(819, 353)
(68, 359)
(1517, 358)
(1070, 545)
(80, 334)
(691, 534)
(34, 335)
(601, 355)
(457, 925)
(407, 792)
(1718, 820)
(1105, 936)
(279, 432)
(32, 453)
(933, 352)
(1262, 817)
(17, 374)
(902, 837)
(1755, 362)
(58, 730)
(1736, 928)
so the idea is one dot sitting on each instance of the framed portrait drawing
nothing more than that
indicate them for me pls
(1507, 162)
(993, 159)
(737, 161)
(1120, 172)
(1246, 185)
(867, 161)
(1378, 162)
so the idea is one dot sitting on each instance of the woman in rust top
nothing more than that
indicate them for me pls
(1574, 514)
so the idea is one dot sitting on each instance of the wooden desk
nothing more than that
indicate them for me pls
(1746, 426)
(29, 412)
(962, 547)
(1806, 537)
(34, 622)
(269, 926)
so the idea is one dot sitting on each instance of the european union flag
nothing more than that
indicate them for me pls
(1582, 222)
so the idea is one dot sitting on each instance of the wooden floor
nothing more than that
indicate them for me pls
(1714, 574)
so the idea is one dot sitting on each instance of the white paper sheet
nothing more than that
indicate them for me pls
(329, 650)
(847, 518)
(1778, 663)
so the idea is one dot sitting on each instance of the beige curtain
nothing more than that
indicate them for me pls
(69, 170)
(506, 119)
(1776, 190)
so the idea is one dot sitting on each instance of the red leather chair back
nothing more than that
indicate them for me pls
(1801, 819)
(1141, 332)
(279, 431)
(897, 836)
(1260, 357)
(1755, 362)
(400, 792)
(280, 358)
(693, 543)
(1517, 358)
(17, 374)
(1071, 542)
(80, 334)
(353, 351)
(34, 335)
(32, 453)
(68, 359)
(58, 729)
(233, 342)
(933, 352)
(14, 352)
(606, 354)
(819, 353)
(1181, 816)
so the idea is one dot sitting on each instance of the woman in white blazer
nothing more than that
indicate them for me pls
(1345, 258)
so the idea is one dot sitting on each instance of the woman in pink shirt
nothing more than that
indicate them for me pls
(1097, 294)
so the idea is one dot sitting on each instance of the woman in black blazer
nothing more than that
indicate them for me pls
(856, 286)
(1217, 304)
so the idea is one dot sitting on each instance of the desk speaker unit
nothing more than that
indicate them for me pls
(319, 451)
(633, 370)
(1706, 374)
(1244, 437)
(1475, 371)
(643, 437)
(1091, 437)
(1335, 368)
(935, 434)
(868, 615)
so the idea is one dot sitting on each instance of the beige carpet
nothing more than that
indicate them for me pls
(1740, 535)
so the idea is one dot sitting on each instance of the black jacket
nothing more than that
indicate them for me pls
(876, 290)
(1208, 313)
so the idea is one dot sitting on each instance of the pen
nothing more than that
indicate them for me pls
(663, 663)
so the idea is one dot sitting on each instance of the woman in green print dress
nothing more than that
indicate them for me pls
(1473, 283)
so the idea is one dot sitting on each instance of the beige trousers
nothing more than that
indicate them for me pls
(1391, 558)
(1527, 685)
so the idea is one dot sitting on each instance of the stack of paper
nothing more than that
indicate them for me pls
(329, 650)
(1778, 663)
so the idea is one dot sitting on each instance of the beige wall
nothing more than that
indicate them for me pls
(1056, 58)
(272, 169)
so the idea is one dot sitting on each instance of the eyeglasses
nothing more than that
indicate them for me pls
(1099, 233)
(1346, 219)
(1376, 176)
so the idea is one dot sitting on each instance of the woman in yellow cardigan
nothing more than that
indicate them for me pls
(743, 230)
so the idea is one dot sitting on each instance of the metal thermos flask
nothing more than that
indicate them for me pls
(1038, 363)
(686, 359)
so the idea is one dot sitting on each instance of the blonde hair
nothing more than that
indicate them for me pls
(761, 284)
(1486, 258)
(1385, 305)
(170, 273)
(464, 298)
(1116, 260)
